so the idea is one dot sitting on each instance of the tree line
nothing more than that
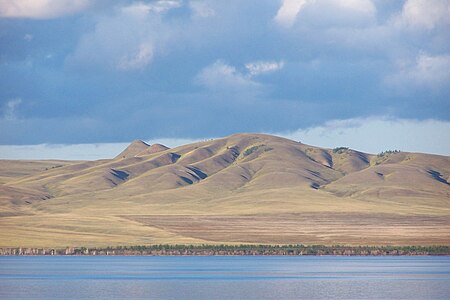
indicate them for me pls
(244, 249)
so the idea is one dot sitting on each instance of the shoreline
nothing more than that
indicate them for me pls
(231, 250)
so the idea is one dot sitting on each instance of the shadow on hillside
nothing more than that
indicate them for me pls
(438, 176)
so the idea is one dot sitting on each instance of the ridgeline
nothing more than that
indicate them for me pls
(243, 189)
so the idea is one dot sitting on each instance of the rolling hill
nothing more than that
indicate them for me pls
(246, 188)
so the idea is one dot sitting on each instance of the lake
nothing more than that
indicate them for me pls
(189, 277)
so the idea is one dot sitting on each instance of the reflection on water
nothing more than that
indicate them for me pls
(225, 277)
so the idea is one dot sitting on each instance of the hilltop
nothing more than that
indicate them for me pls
(246, 188)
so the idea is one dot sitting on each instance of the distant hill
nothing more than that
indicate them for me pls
(136, 147)
(246, 188)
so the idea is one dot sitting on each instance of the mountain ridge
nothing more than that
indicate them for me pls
(241, 175)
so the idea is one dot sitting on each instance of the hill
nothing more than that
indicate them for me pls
(246, 188)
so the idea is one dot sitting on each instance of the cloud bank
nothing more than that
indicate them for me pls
(41, 9)
(370, 135)
(111, 71)
(374, 135)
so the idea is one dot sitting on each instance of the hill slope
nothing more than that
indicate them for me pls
(246, 188)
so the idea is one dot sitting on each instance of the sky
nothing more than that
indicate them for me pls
(79, 79)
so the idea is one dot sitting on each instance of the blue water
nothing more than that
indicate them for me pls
(67, 277)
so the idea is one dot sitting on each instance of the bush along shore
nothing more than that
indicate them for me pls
(237, 250)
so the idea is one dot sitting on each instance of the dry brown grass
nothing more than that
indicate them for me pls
(246, 188)
(307, 228)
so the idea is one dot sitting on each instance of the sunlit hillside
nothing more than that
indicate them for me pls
(246, 188)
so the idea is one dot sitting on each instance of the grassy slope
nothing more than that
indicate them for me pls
(246, 188)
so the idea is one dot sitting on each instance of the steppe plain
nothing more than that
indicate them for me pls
(246, 188)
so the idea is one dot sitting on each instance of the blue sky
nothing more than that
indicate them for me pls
(94, 72)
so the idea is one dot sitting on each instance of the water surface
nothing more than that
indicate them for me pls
(107, 277)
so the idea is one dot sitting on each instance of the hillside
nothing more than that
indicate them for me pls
(246, 188)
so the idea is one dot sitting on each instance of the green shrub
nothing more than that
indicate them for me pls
(340, 150)
(252, 149)
(381, 154)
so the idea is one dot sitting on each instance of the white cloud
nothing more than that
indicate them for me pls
(161, 6)
(11, 108)
(261, 67)
(61, 151)
(201, 9)
(426, 13)
(361, 6)
(127, 40)
(226, 78)
(138, 60)
(425, 71)
(374, 135)
(28, 37)
(77, 151)
(165, 5)
(288, 12)
(41, 9)
(220, 75)
(330, 13)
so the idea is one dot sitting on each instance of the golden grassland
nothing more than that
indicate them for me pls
(246, 188)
